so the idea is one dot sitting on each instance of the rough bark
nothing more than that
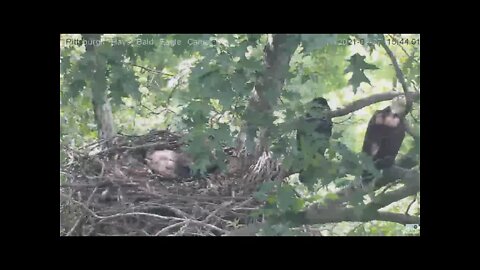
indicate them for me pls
(265, 95)
(278, 53)
(101, 105)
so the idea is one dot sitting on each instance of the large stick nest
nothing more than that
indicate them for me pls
(109, 191)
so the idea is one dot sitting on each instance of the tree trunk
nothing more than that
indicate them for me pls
(101, 104)
(278, 53)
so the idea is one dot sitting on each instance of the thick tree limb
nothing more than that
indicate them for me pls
(336, 216)
(364, 102)
(101, 104)
(398, 218)
(269, 85)
(389, 176)
(322, 216)
(393, 196)
(333, 212)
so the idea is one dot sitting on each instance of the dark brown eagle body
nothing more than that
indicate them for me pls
(383, 139)
(314, 131)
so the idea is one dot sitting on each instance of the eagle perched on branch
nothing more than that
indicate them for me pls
(384, 136)
(315, 131)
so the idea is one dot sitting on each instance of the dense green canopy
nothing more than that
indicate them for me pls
(203, 84)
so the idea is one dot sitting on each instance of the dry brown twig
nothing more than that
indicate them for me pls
(144, 214)
(164, 230)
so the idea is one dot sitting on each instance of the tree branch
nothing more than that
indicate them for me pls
(367, 101)
(322, 216)
(405, 51)
(393, 196)
(410, 131)
(278, 53)
(399, 73)
(398, 218)
(153, 71)
(332, 212)
(410, 205)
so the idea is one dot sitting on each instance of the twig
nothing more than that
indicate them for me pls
(142, 214)
(148, 145)
(409, 130)
(345, 120)
(154, 71)
(400, 75)
(74, 228)
(223, 206)
(244, 208)
(101, 172)
(182, 230)
(356, 227)
(410, 205)
(367, 101)
(403, 49)
(414, 118)
(93, 143)
(177, 211)
(387, 187)
(212, 120)
(157, 113)
(171, 226)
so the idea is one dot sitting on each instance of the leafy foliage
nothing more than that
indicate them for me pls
(317, 41)
(201, 84)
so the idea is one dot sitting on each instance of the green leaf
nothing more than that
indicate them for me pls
(368, 164)
(288, 162)
(143, 45)
(253, 38)
(286, 198)
(222, 134)
(226, 97)
(305, 78)
(267, 187)
(76, 86)
(313, 42)
(251, 64)
(349, 160)
(290, 95)
(331, 196)
(298, 205)
(337, 135)
(357, 200)
(124, 83)
(188, 42)
(342, 182)
(238, 82)
(281, 229)
(181, 43)
(240, 50)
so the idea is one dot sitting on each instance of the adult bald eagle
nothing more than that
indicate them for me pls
(384, 136)
(314, 132)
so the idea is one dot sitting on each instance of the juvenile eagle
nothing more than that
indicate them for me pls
(384, 136)
(314, 131)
